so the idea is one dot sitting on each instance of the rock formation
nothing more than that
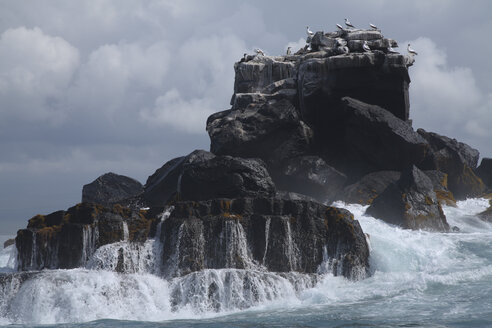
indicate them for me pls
(110, 188)
(330, 122)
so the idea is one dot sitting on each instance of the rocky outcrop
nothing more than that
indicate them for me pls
(225, 177)
(368, 187)
(410, 203)
(271, 130)
(8, 242)
(487, 214)
(456, 159)
(440, 185)
(247, 233)
(110, 188)
(162, 186)
(310, 175)
(67, 239)
(369, 139)
(484, 172)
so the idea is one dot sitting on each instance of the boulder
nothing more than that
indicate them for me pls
(225, 177)
(440, 184)
(372, 139)
(458, 160)
(271, 131)
(110, 188)
(67, 239)
(368, 187)
(310, 175)
(410, 203)
(484, 171)
(252, 233)
(162, 186)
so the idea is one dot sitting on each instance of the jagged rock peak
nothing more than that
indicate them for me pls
(110, 188)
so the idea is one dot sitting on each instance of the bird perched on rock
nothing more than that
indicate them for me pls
(259, 52)
(340, 26)
(288, 53)
(365, 46)
(392, 51)
(374, 27)
(411, 51)
(309, 32)
(348, 23)
(344, 49)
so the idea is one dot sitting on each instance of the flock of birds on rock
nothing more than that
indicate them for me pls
(342, 43)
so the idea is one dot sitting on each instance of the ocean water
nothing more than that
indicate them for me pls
(420, 279)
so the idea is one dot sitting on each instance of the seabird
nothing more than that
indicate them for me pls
(288, 51)
(348, 23)
(411, 51)
(374, 27)
(259, 52)
(340, 26)
(309, 32)
(365, 46)
(391, 50)
(345, 50)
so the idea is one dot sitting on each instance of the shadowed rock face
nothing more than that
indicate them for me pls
(410, 203)
(110, 188)
(280, 235)
(372, 139)
(369, 187)
(457, 160)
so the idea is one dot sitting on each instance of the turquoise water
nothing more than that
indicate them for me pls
(419, 279)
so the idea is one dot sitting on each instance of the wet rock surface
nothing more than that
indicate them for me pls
(410, 203)
(279, 235)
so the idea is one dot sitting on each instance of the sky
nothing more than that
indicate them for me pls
(89, 87)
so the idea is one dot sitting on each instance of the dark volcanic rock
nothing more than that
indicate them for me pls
(281, 235)
(310, 175)
(225, 177)
(457, 160)
(372, 139)
(410, 203)
(375, 78)
(440, 184)
(67, 239)
(369, 187)
(271, 131)
(162, 186)
(8, 242)
(110, 188)
(484, 171)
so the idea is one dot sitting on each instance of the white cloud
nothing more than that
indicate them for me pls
(201, 82)
(35, 71)
(447, 99)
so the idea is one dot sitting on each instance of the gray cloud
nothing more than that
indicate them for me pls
(96, 86)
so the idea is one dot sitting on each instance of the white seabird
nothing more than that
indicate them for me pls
(365, 46)
(374, 27)
(411, 51)
(309, 32)
(259, 52)
(340, 26)
(288, 53)
(392, 51)
(348, 23)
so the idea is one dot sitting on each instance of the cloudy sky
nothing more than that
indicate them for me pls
(88, 87)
